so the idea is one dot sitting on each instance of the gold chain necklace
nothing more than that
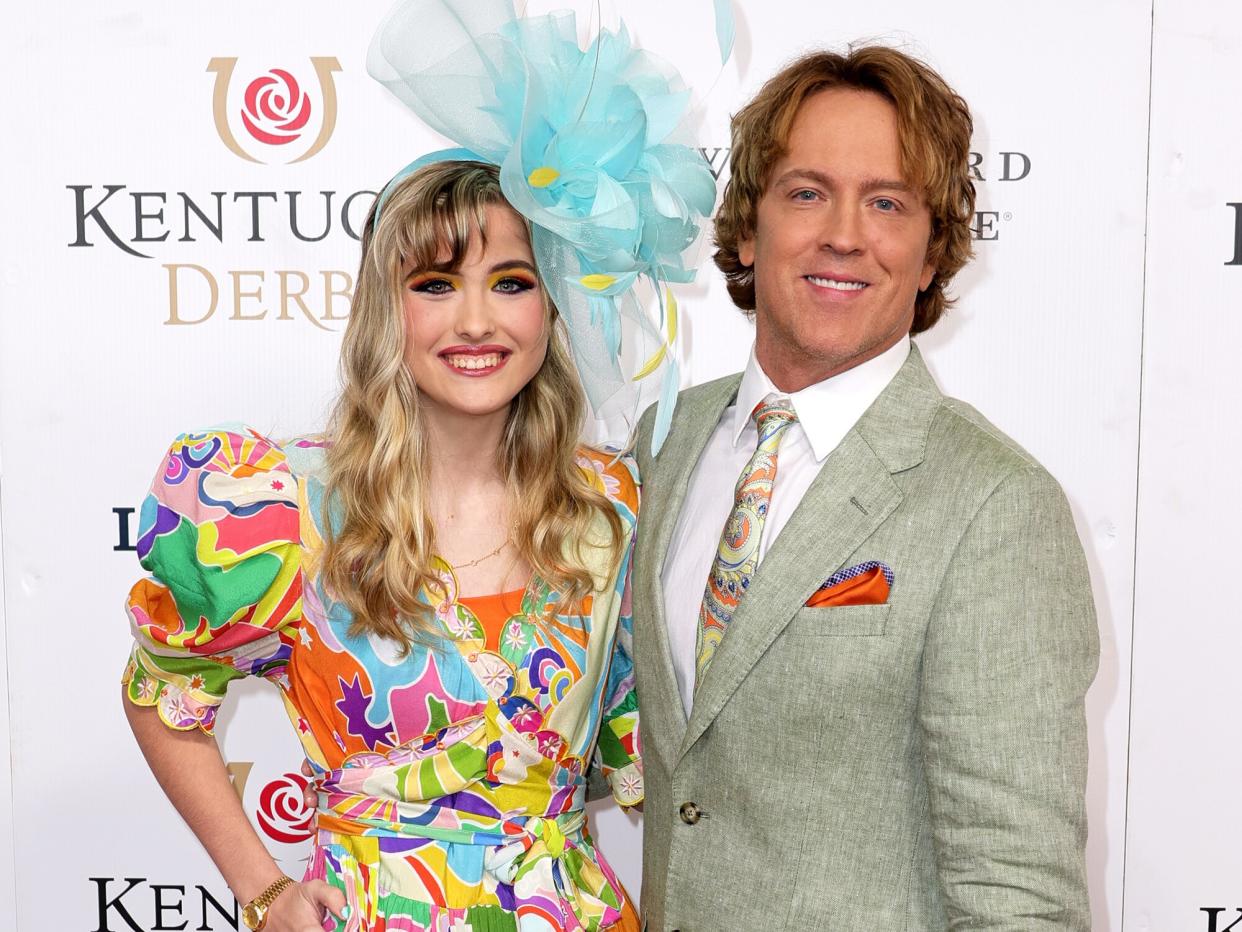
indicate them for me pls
(486, 556)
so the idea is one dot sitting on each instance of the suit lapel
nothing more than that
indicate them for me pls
(851, 497)
(826, 523)
(664, 485)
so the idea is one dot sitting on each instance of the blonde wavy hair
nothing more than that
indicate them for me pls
(380, 547)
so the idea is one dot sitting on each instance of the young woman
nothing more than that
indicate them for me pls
(438, 588)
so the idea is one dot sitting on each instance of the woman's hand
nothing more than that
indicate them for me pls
(304, 906)
(188, 766)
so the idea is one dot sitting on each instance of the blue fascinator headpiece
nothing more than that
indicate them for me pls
(582, 140)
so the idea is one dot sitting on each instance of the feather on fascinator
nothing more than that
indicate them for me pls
(581, 138)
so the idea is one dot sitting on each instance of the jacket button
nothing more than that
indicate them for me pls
(690, 813)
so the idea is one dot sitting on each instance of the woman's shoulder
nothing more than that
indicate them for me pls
(307, 455)
(613, 473)
(227, 478)
(241, 451)
(232, 478)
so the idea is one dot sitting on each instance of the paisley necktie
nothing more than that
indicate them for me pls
(737, 555)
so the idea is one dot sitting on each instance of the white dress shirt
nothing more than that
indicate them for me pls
(826, 412)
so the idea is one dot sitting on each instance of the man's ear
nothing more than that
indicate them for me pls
(928, 275)
(746, 251)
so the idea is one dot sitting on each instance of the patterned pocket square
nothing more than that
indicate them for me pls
(865, 584)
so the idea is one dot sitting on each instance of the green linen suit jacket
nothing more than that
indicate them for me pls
(918, 765)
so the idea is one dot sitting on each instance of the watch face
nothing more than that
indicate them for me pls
(252, 915)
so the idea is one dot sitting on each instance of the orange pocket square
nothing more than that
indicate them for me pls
(864, 584)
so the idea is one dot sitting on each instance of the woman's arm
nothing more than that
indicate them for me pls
(189, 767)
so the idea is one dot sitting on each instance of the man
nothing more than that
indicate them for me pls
(862, 708)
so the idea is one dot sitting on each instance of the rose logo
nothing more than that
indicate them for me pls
(276, 109)
(282, 812)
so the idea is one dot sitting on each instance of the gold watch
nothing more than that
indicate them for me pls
(254, 913)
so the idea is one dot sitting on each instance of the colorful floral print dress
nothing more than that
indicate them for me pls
(452, 779)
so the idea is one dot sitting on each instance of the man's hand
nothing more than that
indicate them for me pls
(309, 796)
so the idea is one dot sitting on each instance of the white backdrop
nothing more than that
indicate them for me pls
(100, 351)
(1185, 803)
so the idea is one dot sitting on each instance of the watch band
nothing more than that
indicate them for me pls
(256, 910)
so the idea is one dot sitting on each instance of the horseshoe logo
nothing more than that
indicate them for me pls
(275, 109)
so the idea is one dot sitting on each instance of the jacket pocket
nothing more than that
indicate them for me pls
(842, 621)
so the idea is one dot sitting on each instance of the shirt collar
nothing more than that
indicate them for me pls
(828, 409)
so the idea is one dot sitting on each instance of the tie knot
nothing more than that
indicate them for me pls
(773, 416)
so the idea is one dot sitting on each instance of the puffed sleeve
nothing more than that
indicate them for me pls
(219, 535)
(618, 756)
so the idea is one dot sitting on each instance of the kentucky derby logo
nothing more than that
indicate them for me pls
(282, 811)
(276, 117)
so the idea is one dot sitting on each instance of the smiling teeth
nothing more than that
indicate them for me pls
(474, 362)
(836, 285)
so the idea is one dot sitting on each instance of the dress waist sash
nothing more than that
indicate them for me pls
(536, 850)
(440, 823)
